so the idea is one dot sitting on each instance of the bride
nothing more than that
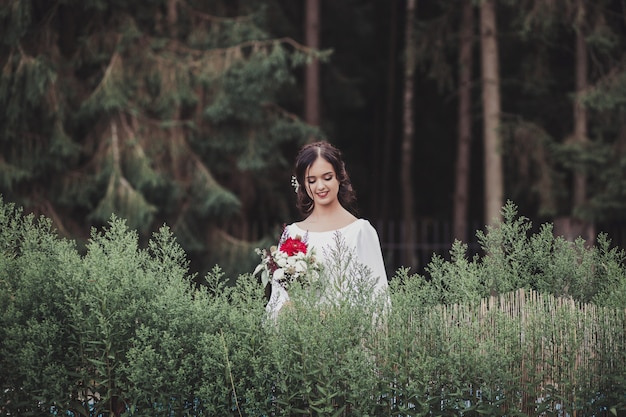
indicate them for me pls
(326, 200)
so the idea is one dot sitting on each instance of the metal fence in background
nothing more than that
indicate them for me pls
(431, 236)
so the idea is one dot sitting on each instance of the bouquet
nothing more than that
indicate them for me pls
(291, 261)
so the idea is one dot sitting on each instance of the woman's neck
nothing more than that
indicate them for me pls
(328, 218)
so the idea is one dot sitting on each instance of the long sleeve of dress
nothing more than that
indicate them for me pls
(369, 252)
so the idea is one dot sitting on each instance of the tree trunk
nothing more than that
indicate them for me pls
(494, 182)
(390, 111)
(312, 75)
(410, 260)
(461, 190)
(580, 116)
(579, 191)
(172, 17)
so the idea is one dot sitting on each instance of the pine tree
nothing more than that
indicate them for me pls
(159, 112)
(583, 153)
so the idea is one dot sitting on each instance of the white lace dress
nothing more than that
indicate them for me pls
(360, 238)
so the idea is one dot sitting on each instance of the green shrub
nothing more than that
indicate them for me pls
(515, 258)
(38, 273)
(535, 326)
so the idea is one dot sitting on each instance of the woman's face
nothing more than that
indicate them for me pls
(321, 182)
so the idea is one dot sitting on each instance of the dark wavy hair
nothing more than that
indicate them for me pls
(305, 158)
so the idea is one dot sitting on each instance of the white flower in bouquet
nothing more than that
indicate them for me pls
(291, 261)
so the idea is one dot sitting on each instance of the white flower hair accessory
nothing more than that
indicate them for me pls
(295, 184)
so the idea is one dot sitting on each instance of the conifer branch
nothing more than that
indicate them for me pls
(607, 81)
(108, 73)
(281, 111)
(223, 234)
(213, 18)
(50, 211)
(115, 148)
(256, 45)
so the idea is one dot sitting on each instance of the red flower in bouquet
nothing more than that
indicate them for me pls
(293, 246)
(290, 261)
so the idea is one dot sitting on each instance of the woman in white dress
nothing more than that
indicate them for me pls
(326, 199)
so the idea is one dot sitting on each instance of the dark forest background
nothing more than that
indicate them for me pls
(190, 113)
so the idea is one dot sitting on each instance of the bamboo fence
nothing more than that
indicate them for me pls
(555, 351)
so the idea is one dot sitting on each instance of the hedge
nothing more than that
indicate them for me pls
(534, 326)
